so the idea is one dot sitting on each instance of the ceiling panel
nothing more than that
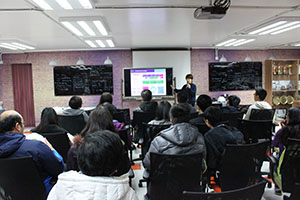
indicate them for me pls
(145, 28)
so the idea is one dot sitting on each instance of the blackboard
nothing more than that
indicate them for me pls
(83, 80)
(225, 76)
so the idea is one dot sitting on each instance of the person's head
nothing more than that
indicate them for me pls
(213, 116)
(179, 113)
(100, 154)
(260, 94)
(75, 102)
(203, 102)
(162, 111)
(99, 119)
(146, 95)
(48, 116)
(109, 107)
(182, 97)
(106, 97)
(11, 121)
(293, 116)
(189, 78)
(233, 100)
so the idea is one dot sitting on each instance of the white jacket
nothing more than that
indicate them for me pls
(257, 105)
(76, 186)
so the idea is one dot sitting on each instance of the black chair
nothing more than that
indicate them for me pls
(73, 124)
(202, 128)
(262, 114)
(254, 130)
(290, 167)
(138, 119)
(126, 115)
(170, 175)
(252, 192)
(151, 132)
(240, 165)
(20, 179)
(60, 142)
(119, 116)
(232, 118)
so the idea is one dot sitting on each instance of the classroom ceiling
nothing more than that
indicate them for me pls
(139, 24)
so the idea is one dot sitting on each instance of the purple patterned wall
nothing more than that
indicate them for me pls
(43, 76)
(43, 73)
(201, 57)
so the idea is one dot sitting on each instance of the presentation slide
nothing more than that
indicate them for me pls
(152, 79)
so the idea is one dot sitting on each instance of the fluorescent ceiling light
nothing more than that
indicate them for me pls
(86, 4)
(296, 45)
(86, 28)
(22, 45)
(72, 28)
(286, 29)
(12, 46)
(226, 42)
(100, 43)
(43, 4)
(110, 43)
(8, 47)
(100, 27)
(279, 28)
(243, 42)
(65, 4)
(267, 27)
(235, 42)
(90, 43)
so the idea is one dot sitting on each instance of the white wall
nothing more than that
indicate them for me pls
(180, 61)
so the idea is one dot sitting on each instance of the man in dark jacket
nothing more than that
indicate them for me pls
(232, 104)
(147, 105)
(218, 136)
(180, 138)
(203, 102)
(14, 144)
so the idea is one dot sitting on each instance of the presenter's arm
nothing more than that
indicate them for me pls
(176, 90)
(191, 90)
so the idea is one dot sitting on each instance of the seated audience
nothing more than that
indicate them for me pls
(107, 99)
(183, 98)
(75, 104)
(203, 102)
(218, 136)
(100, 119)
(13, 144)
(180, 138)
(99, 157)
(259, 97)
(49, 123)
(162, 114)
(232, 104)
(291, 129)
(147, 105)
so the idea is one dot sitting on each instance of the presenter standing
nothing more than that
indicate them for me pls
(189, 87)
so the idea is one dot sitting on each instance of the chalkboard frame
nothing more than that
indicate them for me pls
(220, 83)
(87, 76)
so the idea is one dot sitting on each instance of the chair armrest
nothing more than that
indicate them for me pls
(131, 173)
(272, 159)
(146, 174)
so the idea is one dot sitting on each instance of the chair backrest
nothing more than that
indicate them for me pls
(254, 130)
(252, 192)
(60, 142)
(202, 128)
(119, 116)
(124, 135)
(232, 118)
(262, 114)
(241, 165)
(126, 115)
(20, 179)
(290, 168)
(73, 124)
(139, 118)
(151, 132)
(172, 174)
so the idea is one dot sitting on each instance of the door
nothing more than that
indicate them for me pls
(23, 92)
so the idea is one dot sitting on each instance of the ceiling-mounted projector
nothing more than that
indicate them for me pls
(210, 12)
